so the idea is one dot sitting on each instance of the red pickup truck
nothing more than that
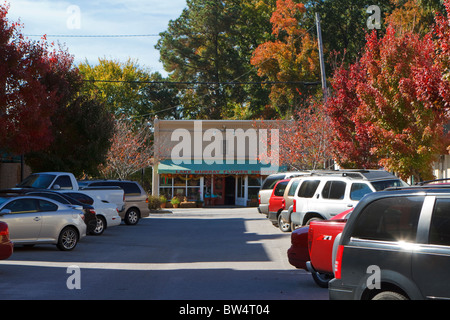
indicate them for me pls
(312, 247)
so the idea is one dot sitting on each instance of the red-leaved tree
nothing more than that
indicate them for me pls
(392, 106)
(33, 79)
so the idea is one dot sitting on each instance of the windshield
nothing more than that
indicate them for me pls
(39, 181)
(3, 200)
(381, 185)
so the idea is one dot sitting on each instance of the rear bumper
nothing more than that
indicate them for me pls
(338, 291)
(264, 208)
(273, 216)
(297, 259)
(6, 250)
(286, 216)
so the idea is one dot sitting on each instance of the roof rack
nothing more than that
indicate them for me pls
(421, 183)
(356, 173)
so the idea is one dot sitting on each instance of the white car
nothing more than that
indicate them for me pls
(107, 213)
(37, 220)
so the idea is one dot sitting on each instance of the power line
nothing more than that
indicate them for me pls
(306, 83)
(92, 36)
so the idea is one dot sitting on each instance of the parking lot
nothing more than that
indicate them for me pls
(190, 254)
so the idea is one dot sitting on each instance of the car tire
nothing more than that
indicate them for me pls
(389, 295)
(101, 226)
(284, 226)
(322, 279)
(68, 239)
(132, 217)
(295, 226)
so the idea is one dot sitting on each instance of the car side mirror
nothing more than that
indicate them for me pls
(5, 211)
(56, 187)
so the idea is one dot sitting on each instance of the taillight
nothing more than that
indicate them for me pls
(283, 204)
(146, 200)
(259, 198)
(338, 262)
(294, 206)
(4, 231)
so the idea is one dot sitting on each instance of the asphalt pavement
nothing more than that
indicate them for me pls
(189, 254)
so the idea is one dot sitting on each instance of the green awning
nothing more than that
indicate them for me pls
(167, 167)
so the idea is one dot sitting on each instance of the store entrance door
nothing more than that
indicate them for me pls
(230, 190)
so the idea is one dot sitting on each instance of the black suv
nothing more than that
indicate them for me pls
(396, 245)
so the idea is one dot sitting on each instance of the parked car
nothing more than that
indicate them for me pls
(267, 187)
(90, 218)
(136, 199)
(38, 220)
(396, 245)
(65, 181)
(282, 197)
(107, 213)
(321, 197)
(6, 246)
(299, 253)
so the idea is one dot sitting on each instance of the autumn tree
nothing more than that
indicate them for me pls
(291, 58)
(130, 150)
(34, 79)
(396, 99)
(305, 140)
(351, 144)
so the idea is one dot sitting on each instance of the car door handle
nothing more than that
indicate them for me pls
(37, 218)
(350, 205)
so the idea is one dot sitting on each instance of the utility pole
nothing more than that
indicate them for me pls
(322, 62)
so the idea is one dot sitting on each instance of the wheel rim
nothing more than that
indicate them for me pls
(100, 226)
(132, 217)
(69, 239)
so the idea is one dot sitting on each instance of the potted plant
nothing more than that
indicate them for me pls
(175, 202)
(163, 201)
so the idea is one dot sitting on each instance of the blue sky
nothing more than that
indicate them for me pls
(100, 17)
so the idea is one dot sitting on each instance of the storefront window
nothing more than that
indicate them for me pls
(254, 184)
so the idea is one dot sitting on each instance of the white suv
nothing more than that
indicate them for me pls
(323, 196)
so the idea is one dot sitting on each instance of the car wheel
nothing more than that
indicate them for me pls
(101, 226)
(284, 226)
(294, 226)
(389, 295)
(313, 219)
(321, 279)
(68, 239)
(132, 217)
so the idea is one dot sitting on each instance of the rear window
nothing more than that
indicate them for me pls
(384, 184)
(128, 187)
(389, 219)
(280, 188)
(81, 197)
(271, 181)
(308, 188)
(293, 188)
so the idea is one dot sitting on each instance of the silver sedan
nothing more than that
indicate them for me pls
(37, 220)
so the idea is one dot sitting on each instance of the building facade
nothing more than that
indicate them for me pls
(216, 161)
